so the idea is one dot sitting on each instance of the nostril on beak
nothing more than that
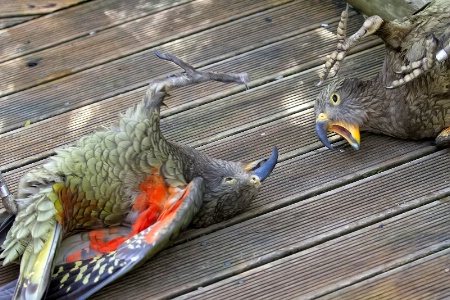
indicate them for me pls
(255, 179)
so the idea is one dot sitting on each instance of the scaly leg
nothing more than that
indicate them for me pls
(192, 76)
(369, 27)
(417, 68)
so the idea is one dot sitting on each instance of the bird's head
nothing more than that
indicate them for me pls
(230, 187)
(338, 109)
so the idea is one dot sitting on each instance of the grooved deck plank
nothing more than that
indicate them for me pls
(320, 269)
(8, 22)
(426, 278)
(135, 71)
(301, 182)
(292, 94)
(132, 37)
(14, 8)
(74, 22)
(325, 223)
(377, 150)
(285, 231)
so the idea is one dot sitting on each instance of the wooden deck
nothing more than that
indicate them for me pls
(364, 224)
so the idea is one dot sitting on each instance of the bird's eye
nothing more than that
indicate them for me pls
(228, 179)
(335, 98)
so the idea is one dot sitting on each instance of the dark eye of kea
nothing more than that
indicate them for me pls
(335, 98)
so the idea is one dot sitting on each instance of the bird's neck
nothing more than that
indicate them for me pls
(194, 161)
(383, 106)
(371, 93)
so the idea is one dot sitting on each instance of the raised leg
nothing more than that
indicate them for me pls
(158, 89)
(369, 27)
(417, 68)
(191, 76)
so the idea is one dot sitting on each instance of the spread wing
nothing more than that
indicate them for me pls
(82, 278)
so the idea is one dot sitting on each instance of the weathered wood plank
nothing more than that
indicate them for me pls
(129, 38)
(299, 226)
(282, 114)
(8, 22)
(75, 22)
(253, 107)
(364, 253)
(388, 10)
(303, 183)
(131, 72)
(15, 8)
(31, 141)
(294, 180)
(425, 278)
(8, 273)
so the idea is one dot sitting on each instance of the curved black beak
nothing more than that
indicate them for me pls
(266, 168)
(321, 131)
(349, 131)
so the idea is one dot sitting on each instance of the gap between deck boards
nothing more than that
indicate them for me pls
(46, 93)
(22, 142)
(334, 186)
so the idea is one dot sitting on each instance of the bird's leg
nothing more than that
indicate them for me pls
(194, 76)
(369, 27)
(158, 88)
(443, 139)
(7, 197)
(332, 64)
(418, 67)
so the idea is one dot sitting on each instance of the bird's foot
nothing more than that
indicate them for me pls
(443, 139)
(418, 67)
(332, 65)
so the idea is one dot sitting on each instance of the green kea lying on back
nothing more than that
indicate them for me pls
(117, 198)
(409, 98)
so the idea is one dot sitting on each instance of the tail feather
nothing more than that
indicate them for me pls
(36, 268)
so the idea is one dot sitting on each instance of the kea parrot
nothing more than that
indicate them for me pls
(98, 209)
(409, 98)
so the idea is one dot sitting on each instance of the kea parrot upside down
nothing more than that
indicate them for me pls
(98, 209)
(409, 98)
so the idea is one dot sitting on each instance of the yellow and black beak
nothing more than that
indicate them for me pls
(348, 131)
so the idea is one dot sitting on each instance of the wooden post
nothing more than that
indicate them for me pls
(388, 9)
